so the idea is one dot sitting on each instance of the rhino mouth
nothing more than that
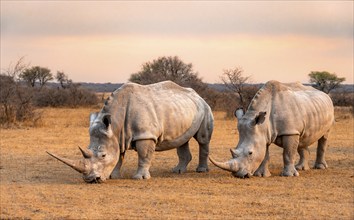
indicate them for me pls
(93, 180)
(242, 175)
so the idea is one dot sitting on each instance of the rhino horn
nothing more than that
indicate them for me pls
(230, 165)
(86, 153)
(78, 165)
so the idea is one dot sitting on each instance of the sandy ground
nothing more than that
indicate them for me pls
(35, 186)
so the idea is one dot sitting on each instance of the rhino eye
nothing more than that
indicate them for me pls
(103, 155)
(250, 153)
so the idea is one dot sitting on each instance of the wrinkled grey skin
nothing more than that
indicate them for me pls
(291, 116)
(149, 118)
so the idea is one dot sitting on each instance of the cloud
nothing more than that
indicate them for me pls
(177, 18)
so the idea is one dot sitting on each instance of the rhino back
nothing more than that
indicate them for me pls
(164, 112)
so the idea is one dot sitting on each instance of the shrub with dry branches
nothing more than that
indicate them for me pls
(15, 99)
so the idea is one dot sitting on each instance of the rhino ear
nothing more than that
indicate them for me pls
(107, 130)
(260, 118)
(106, 120)
(93, 116)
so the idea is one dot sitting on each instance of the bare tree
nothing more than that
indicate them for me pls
(14, 71)
(235, 82)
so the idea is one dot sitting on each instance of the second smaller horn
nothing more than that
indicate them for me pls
(86, 153)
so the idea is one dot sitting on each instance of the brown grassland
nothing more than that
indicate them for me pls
(35, 186)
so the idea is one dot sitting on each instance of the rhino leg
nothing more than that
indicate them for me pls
(203, 137)
(290, 144)
(321, 149)
(263, 170)
(304, 156)
(145, 149)
(203, 158)
(184, 157)
(116, 174)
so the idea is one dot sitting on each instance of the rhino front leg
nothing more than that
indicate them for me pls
(145, 149)
(184, 157)
(304, 156)
(116, 174)
(263, 168)
(290, 145)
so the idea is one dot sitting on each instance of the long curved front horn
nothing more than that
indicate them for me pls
(230, 165)
(78, 165)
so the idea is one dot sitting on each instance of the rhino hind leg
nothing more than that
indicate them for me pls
(184, 157)
(304, 156)
(203, 158)
(321, 149)
(145, 149)
(263, 170)
(203, 137)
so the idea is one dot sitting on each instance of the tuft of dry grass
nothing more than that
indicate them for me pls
(35, 186)
(343, 113)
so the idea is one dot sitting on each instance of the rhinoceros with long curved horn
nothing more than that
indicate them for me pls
(291, 116)
(149, 118)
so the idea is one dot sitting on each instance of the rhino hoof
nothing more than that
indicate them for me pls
(140, 176)
(321, 166)
(179, 170)
(295, 173)
(262, 174)
(202, 169)
(302, 167)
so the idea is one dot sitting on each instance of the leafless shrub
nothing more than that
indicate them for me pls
(228, 101)
(343, 98)
(15, 98)
(343, 112)
(16, 106)
(74, 96)
(235, 82)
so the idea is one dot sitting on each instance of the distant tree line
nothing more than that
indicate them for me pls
(23, 88)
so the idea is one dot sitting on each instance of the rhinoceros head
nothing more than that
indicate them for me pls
(250, 150)
(101, 156)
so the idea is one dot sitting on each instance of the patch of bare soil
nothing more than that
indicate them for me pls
(35, 186)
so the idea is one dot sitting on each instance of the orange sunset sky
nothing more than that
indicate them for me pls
(106, 41)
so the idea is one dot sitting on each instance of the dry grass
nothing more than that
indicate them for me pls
(35, 186)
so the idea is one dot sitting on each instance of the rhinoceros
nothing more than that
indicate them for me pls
(292, 116)
(145, 118)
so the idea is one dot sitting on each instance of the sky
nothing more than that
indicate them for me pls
(107, 41)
